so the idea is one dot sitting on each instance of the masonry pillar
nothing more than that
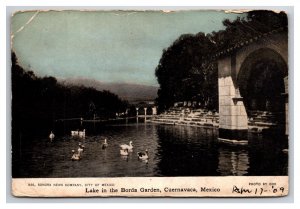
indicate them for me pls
(154, 111)
(233, 121)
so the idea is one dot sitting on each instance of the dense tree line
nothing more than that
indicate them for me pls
(187, 71)
(182, 73)
(42, 100)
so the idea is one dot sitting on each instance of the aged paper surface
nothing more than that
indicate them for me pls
(153, 187)
(150, 103)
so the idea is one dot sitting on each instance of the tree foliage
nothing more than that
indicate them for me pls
(186, 70)
(254, 25)
(181, 72)
(37, 100)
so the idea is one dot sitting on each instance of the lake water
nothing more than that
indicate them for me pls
(173, 151)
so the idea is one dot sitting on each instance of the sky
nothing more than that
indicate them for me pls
(107, 46)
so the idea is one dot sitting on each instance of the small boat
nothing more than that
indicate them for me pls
(126, 146)
(51, 136)
(143, 155)
(105, 144)
(124, 152)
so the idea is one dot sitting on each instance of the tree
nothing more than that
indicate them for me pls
(181, 73)
(254, 25)
(187, 71)
(39, 101)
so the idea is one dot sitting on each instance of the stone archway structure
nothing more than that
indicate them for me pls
(145, 108)
(261, 80)
(236, 67)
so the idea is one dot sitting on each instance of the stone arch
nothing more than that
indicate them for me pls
(277, 43)
(261, 81)
(131, 111)
(260, 54)
(141, 110)
(149, 110)
(235, 70)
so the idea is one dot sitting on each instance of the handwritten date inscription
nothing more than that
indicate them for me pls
(257, 190)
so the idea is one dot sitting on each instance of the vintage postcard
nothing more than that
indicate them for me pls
(149, 103)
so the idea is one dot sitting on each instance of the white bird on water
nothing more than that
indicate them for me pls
(75, 156)
(124, 152)
(80, 149)
(74, 133)
(126, 146)
(51, 136)
(81, 133)
(143, 155)
(105, 144)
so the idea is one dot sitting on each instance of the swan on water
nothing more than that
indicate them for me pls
(143, 155)
(51, 136)
(105, 144)
(75, 156)
(124, 152)
(81, 133)
(80, 149)
(75, 133)
(128, 147)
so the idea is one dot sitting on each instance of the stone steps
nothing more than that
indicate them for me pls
(258, 121)
(263, 120)
(187, 116)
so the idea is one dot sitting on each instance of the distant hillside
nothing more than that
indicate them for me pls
(130, 92)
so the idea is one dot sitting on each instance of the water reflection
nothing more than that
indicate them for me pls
(266, 156)
(232, 162)
(186, 151)
(173, 151)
